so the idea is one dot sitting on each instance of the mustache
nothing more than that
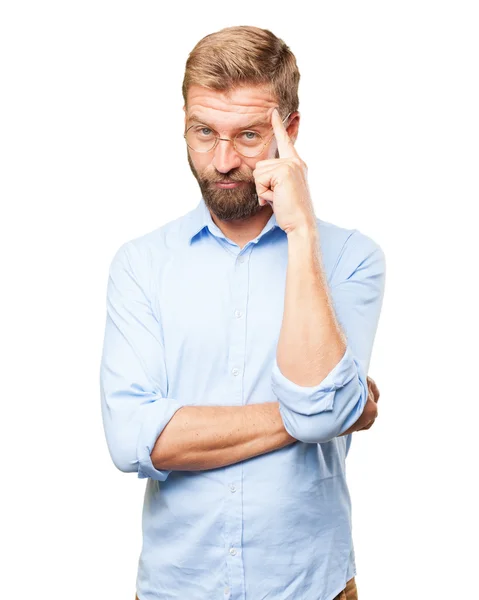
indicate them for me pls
(227, 178)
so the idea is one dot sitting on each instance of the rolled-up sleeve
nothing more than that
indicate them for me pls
(133, 381)
(319, 413)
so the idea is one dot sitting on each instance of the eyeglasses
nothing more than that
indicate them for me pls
(201, 138)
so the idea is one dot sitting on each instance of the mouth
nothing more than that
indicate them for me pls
(227, 185)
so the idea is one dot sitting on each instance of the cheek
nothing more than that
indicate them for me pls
(249, 166)
(271, 152)
(202, 164)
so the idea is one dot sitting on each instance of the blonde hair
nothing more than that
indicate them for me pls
(244, 56)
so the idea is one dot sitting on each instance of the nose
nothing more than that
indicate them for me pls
(226, 158)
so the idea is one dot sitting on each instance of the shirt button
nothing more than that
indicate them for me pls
(238, 314)
(227, 591)
(233, 551)
(233, 487)
(235, 372)
(241, 259)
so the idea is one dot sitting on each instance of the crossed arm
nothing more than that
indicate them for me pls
(152, 434)
(208, 437)
(311, 340)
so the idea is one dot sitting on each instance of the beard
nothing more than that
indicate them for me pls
(228, 205)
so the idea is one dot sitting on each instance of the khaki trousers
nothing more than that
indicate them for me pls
(350, 592)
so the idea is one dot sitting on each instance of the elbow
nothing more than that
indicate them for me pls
(319, 428)
(312, 429)
(127, 461)
(123, 463)
(123, 454)
(132, 432)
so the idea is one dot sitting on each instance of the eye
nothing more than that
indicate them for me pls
(250, 136)
(202, 131)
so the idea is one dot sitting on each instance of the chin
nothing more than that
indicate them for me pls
(228, 205)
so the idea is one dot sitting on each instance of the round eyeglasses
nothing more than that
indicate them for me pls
(248, 143)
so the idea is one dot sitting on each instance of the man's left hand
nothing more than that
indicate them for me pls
(283, 183)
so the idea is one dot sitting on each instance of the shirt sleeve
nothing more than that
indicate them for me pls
(319, 413)
(133, 381)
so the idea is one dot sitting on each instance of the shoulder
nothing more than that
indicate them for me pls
(345, 250)
(149, 250)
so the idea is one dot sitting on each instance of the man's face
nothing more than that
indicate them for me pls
(227, 116)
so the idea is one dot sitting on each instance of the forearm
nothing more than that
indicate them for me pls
(311, 342)
(207, 437)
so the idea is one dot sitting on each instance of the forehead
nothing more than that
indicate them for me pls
(233, 109)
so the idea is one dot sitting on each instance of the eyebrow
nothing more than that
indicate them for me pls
(258, 123)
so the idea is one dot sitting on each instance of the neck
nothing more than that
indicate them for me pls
(242, 231)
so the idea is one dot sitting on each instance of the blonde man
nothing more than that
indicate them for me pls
(237, 345)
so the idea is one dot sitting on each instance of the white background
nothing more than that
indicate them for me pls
(92, 155)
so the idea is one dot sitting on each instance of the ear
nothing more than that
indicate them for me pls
(293, 127)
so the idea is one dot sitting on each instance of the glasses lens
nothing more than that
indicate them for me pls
(200, 138)
(249, 143)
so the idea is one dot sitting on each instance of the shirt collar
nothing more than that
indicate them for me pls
(200, 217)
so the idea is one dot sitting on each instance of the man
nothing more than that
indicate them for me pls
(237, 345)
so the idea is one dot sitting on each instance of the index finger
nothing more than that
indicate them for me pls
(286, 147)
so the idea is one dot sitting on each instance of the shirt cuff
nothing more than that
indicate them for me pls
(311, 400)
(156, 415)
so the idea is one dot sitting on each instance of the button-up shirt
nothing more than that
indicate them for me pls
(193, 319)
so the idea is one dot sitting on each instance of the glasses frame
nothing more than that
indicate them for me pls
(218, 138)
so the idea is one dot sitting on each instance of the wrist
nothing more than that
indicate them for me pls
(308, 230)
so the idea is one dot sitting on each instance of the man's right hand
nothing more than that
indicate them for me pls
(370, 411)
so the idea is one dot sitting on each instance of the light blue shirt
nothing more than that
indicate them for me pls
(192, 319)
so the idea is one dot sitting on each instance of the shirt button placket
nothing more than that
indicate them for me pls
(234, 473)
